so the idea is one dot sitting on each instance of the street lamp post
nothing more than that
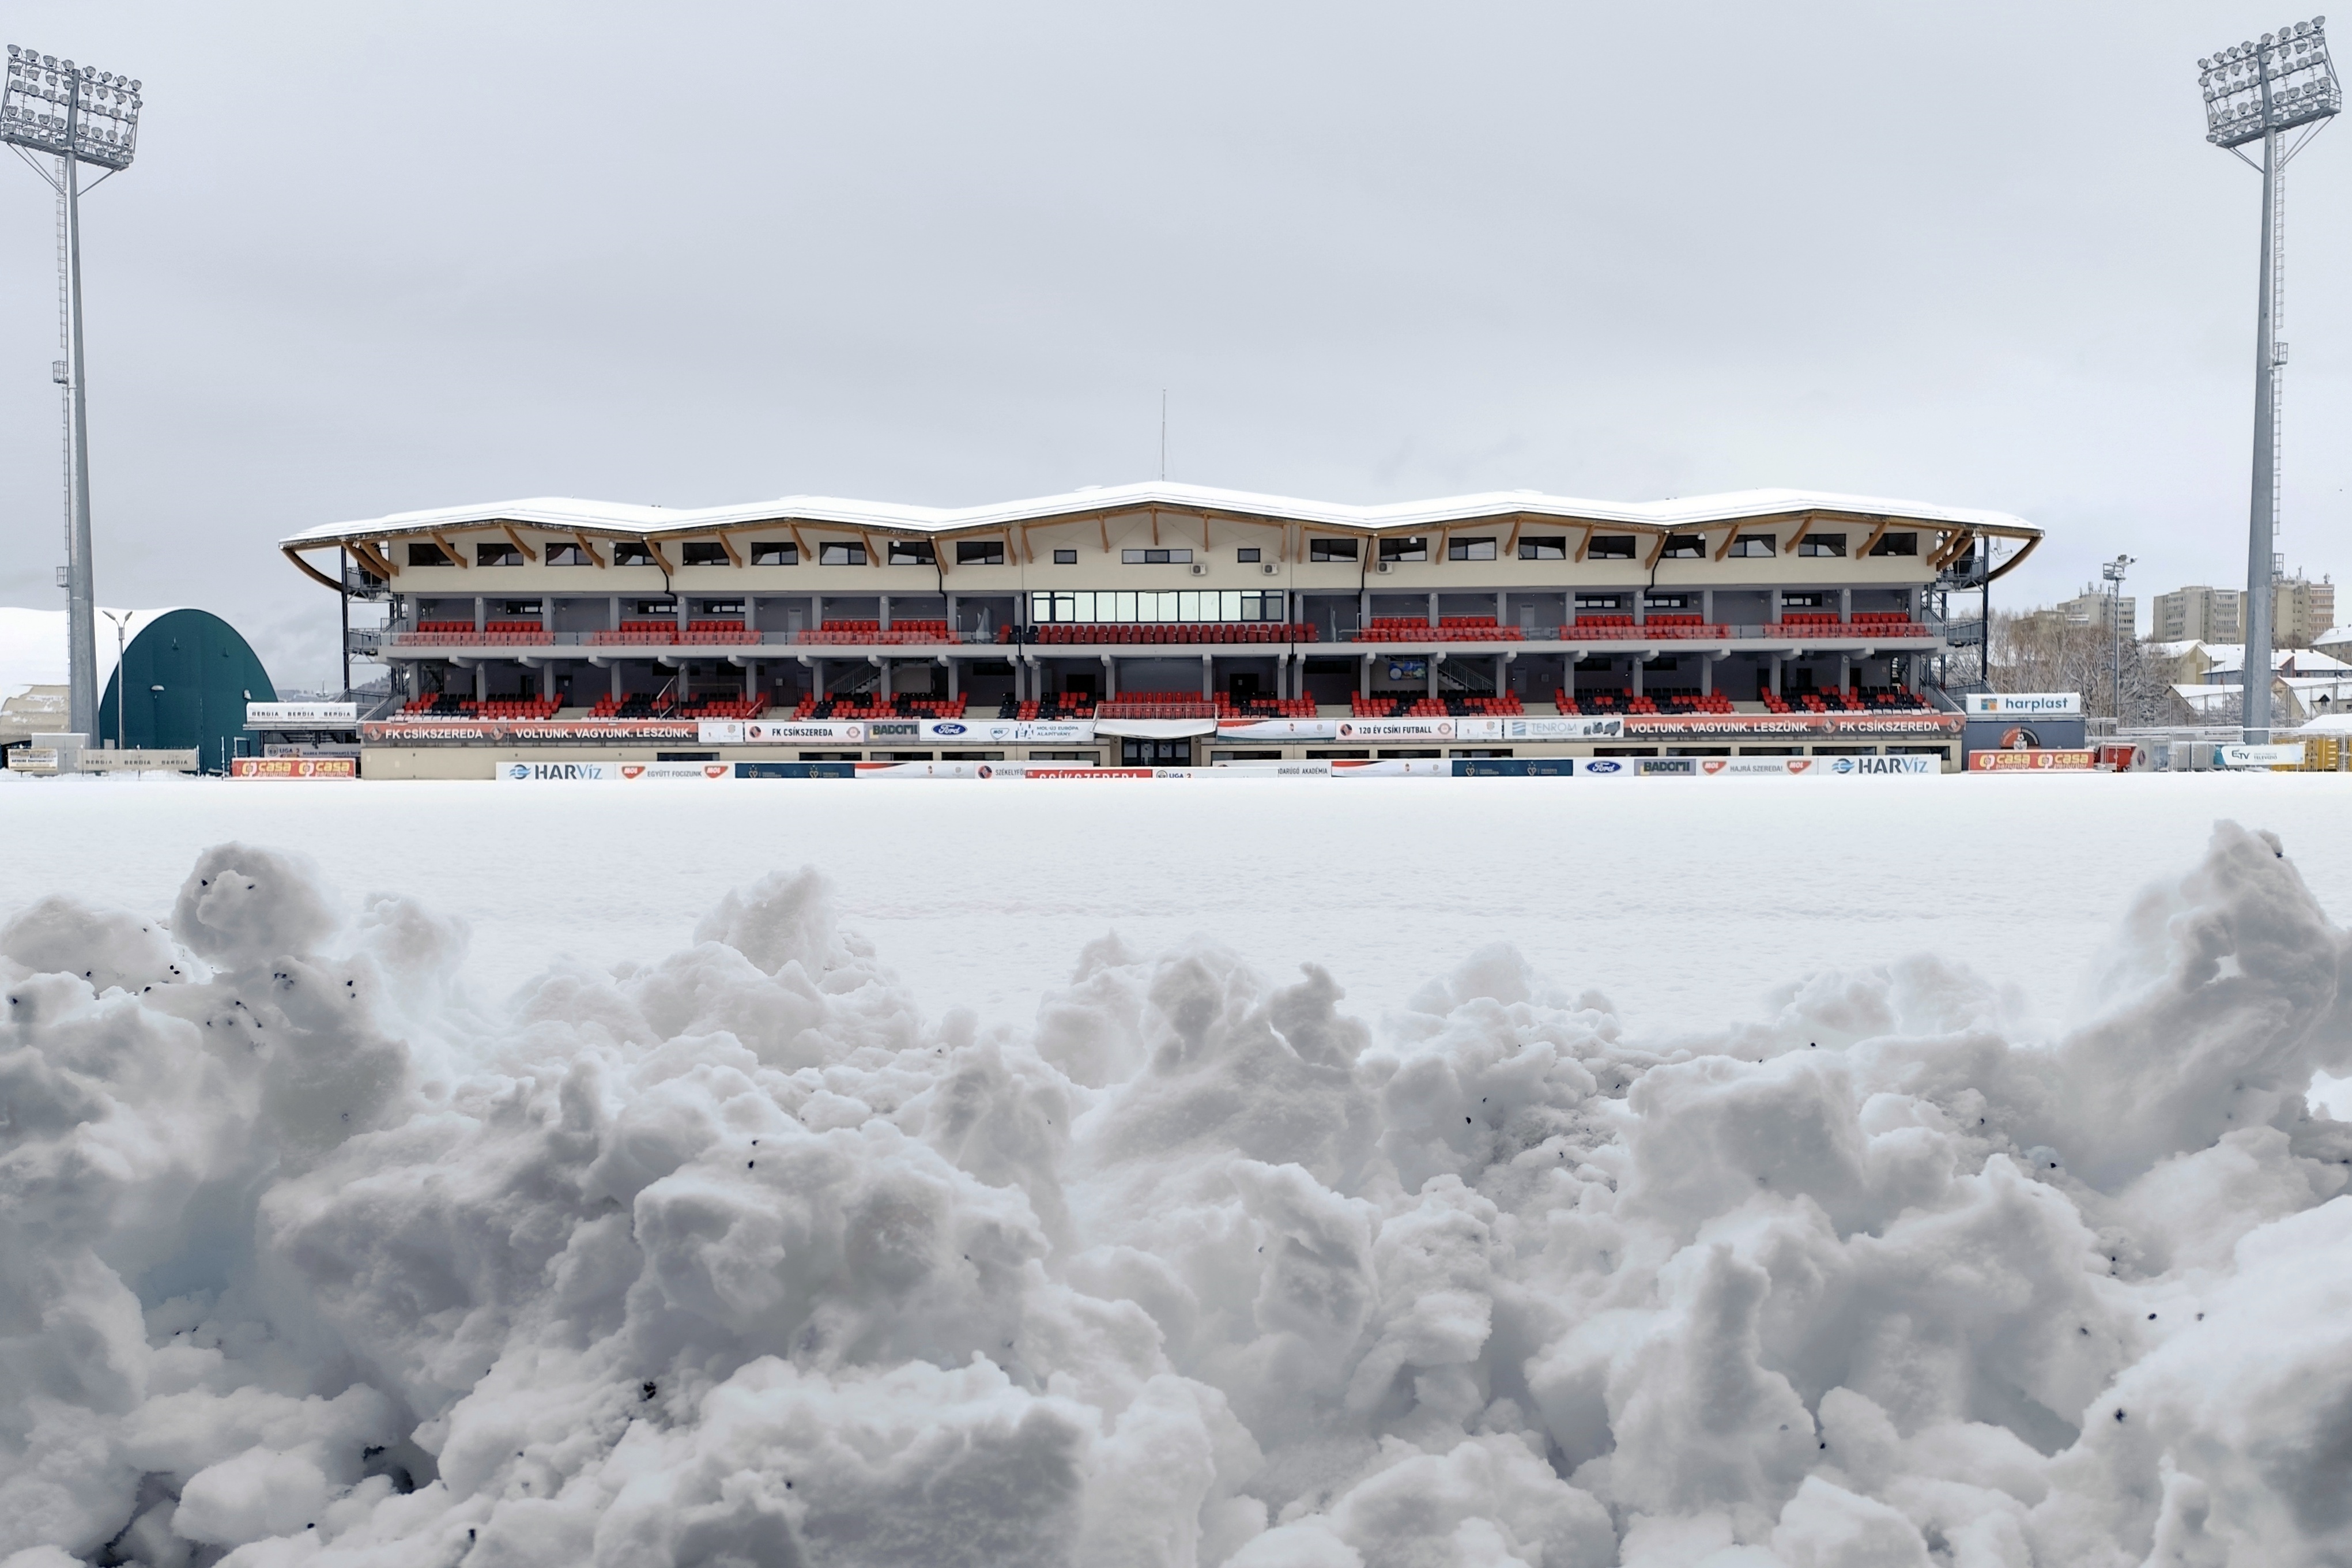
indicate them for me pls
(2254, 92)
(122, 681)
(2113, 570)
(78, 115)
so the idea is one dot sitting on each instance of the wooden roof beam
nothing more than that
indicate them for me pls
(527, 552)
(309, 570)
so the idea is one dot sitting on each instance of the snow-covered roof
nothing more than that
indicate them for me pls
(33, 646)
(2231, 656)
(614, 517)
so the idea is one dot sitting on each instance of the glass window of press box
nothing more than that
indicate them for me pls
(1205, 605)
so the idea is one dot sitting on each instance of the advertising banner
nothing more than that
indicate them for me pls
(2024, 704)
(718, 732)
(2031, 760)
(558, 773)
(1667, 767)
(1006, 731)
(1514, 767)
(1878, 767)
(922, 770)
(135, 762)
(808, 732)
(1277, 729)
(301, 715)
(293, 767)
(1605, 768)
(692, 772)
(1758, 767)
(1735, 726)
(1266, 771)
(795, 770)
(514, 731)
(1047, 771)
(1563, 729)
(1393, 768)
(2285, 754)
(33, 759)
(1400, 729)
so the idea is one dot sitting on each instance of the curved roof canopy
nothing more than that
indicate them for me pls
(621, 521)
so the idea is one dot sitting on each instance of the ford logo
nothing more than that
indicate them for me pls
(948, 727)
(1602, 767)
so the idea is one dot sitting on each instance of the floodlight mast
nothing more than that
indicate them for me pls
(78, 115)
(2256, 91)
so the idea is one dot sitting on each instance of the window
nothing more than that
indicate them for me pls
(568, 555)
(1206, 604)
(653, 606)
(1666, 602)
(1331, 549)
(1470, 549)
(1896, 544)
(632, 555)
(1752, 544)
(529, 608)
(980, 552)
(1246, 554)
(719, 606)
(1822, 544)
(912, 552)
(497, 556)
(703, 552)
(1543, 547)
(1800, 601)
(1601, 601)
(1414, 549)
(1066, 558)
(426, 555)
(834, 553)
(1685, 547)
(1610, 547)
(775, 552)
(1155, 557)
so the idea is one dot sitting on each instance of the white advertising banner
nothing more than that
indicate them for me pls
(1879, 767)
(1393, 768)
(789, 731)
(1277, 729)
(1401, 729)
(2285, 754)
(1564, 728)
(719, 732)
(2024, 704)
(1007, 731)
(929, 770)
(1759, 767)
(300, 715)
(558, 773)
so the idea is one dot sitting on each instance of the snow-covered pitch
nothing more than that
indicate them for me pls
(1326, 1217)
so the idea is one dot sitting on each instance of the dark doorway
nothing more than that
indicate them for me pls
(1134, 753)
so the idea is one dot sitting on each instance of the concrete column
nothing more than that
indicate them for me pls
(612, 620)
(1364, 600)
(1110, 678)
(816, 612)
(955, 685)
(481, 611)
(1776, 657)
(885, 612)
(481, 678)
(1846, 603)
(1777, 608)
(1433, 670)
(680, 610)
(1364, 675)
(1706, 675)
(1637, 675)
(885, 682)
(751, 679)
(1567, 680)
(1707, 605)
(615, 672)
(1498, 609)
(1641, 606)
(1208, 676)
(1433, 609)
(1498, 662)
(954, 624)
(1845, 670)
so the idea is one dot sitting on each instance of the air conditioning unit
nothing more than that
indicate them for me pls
(1199, 568)
(1385, 566)
(1267, 567)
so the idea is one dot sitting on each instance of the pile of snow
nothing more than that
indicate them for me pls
(736, 1257)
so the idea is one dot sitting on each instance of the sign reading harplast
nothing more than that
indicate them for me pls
(2023, 704)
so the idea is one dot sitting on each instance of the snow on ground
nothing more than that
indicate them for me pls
(1824, 1173)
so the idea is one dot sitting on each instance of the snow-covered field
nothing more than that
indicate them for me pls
(1813, 1173)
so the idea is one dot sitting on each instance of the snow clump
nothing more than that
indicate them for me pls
(735, 1256)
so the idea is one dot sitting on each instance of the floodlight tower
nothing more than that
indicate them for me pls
(2257, 92)
(2113, 570)
(77, 114)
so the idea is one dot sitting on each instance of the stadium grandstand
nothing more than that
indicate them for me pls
(1157, 623)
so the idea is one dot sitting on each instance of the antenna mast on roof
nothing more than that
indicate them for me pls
(1164, 432)
(77, 114)
(2254, 92)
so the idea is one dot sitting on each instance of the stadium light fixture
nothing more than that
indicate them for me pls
(2113, 570)
(2260, 91)
(51, 107)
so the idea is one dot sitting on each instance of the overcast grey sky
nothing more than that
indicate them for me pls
(378, 258)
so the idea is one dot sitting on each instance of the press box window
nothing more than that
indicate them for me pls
(1685, 547)
(1610, 547)
(980, 552)
(632, 555)
(703, 552)
(1599, 601)
(775, 552)
(1405, 549)
(1331, 549)
(1752, 544)
(569, 555)
(519, 607)
(426, 555)
(1066, 558)
(1822, 544)
(1543, 547)
(1896, 544)
(1246, 554)
(1155, 557)
(1470, 549)
(497, 556)
(840, 554)
(912, 552)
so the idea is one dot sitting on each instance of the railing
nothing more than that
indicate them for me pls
(1212, 634)
(1112, 708)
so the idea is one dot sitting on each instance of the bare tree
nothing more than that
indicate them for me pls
(2041, 650)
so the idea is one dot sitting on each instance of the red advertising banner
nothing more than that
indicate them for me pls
(2033, 760)
(293, 767)
(500, 731)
